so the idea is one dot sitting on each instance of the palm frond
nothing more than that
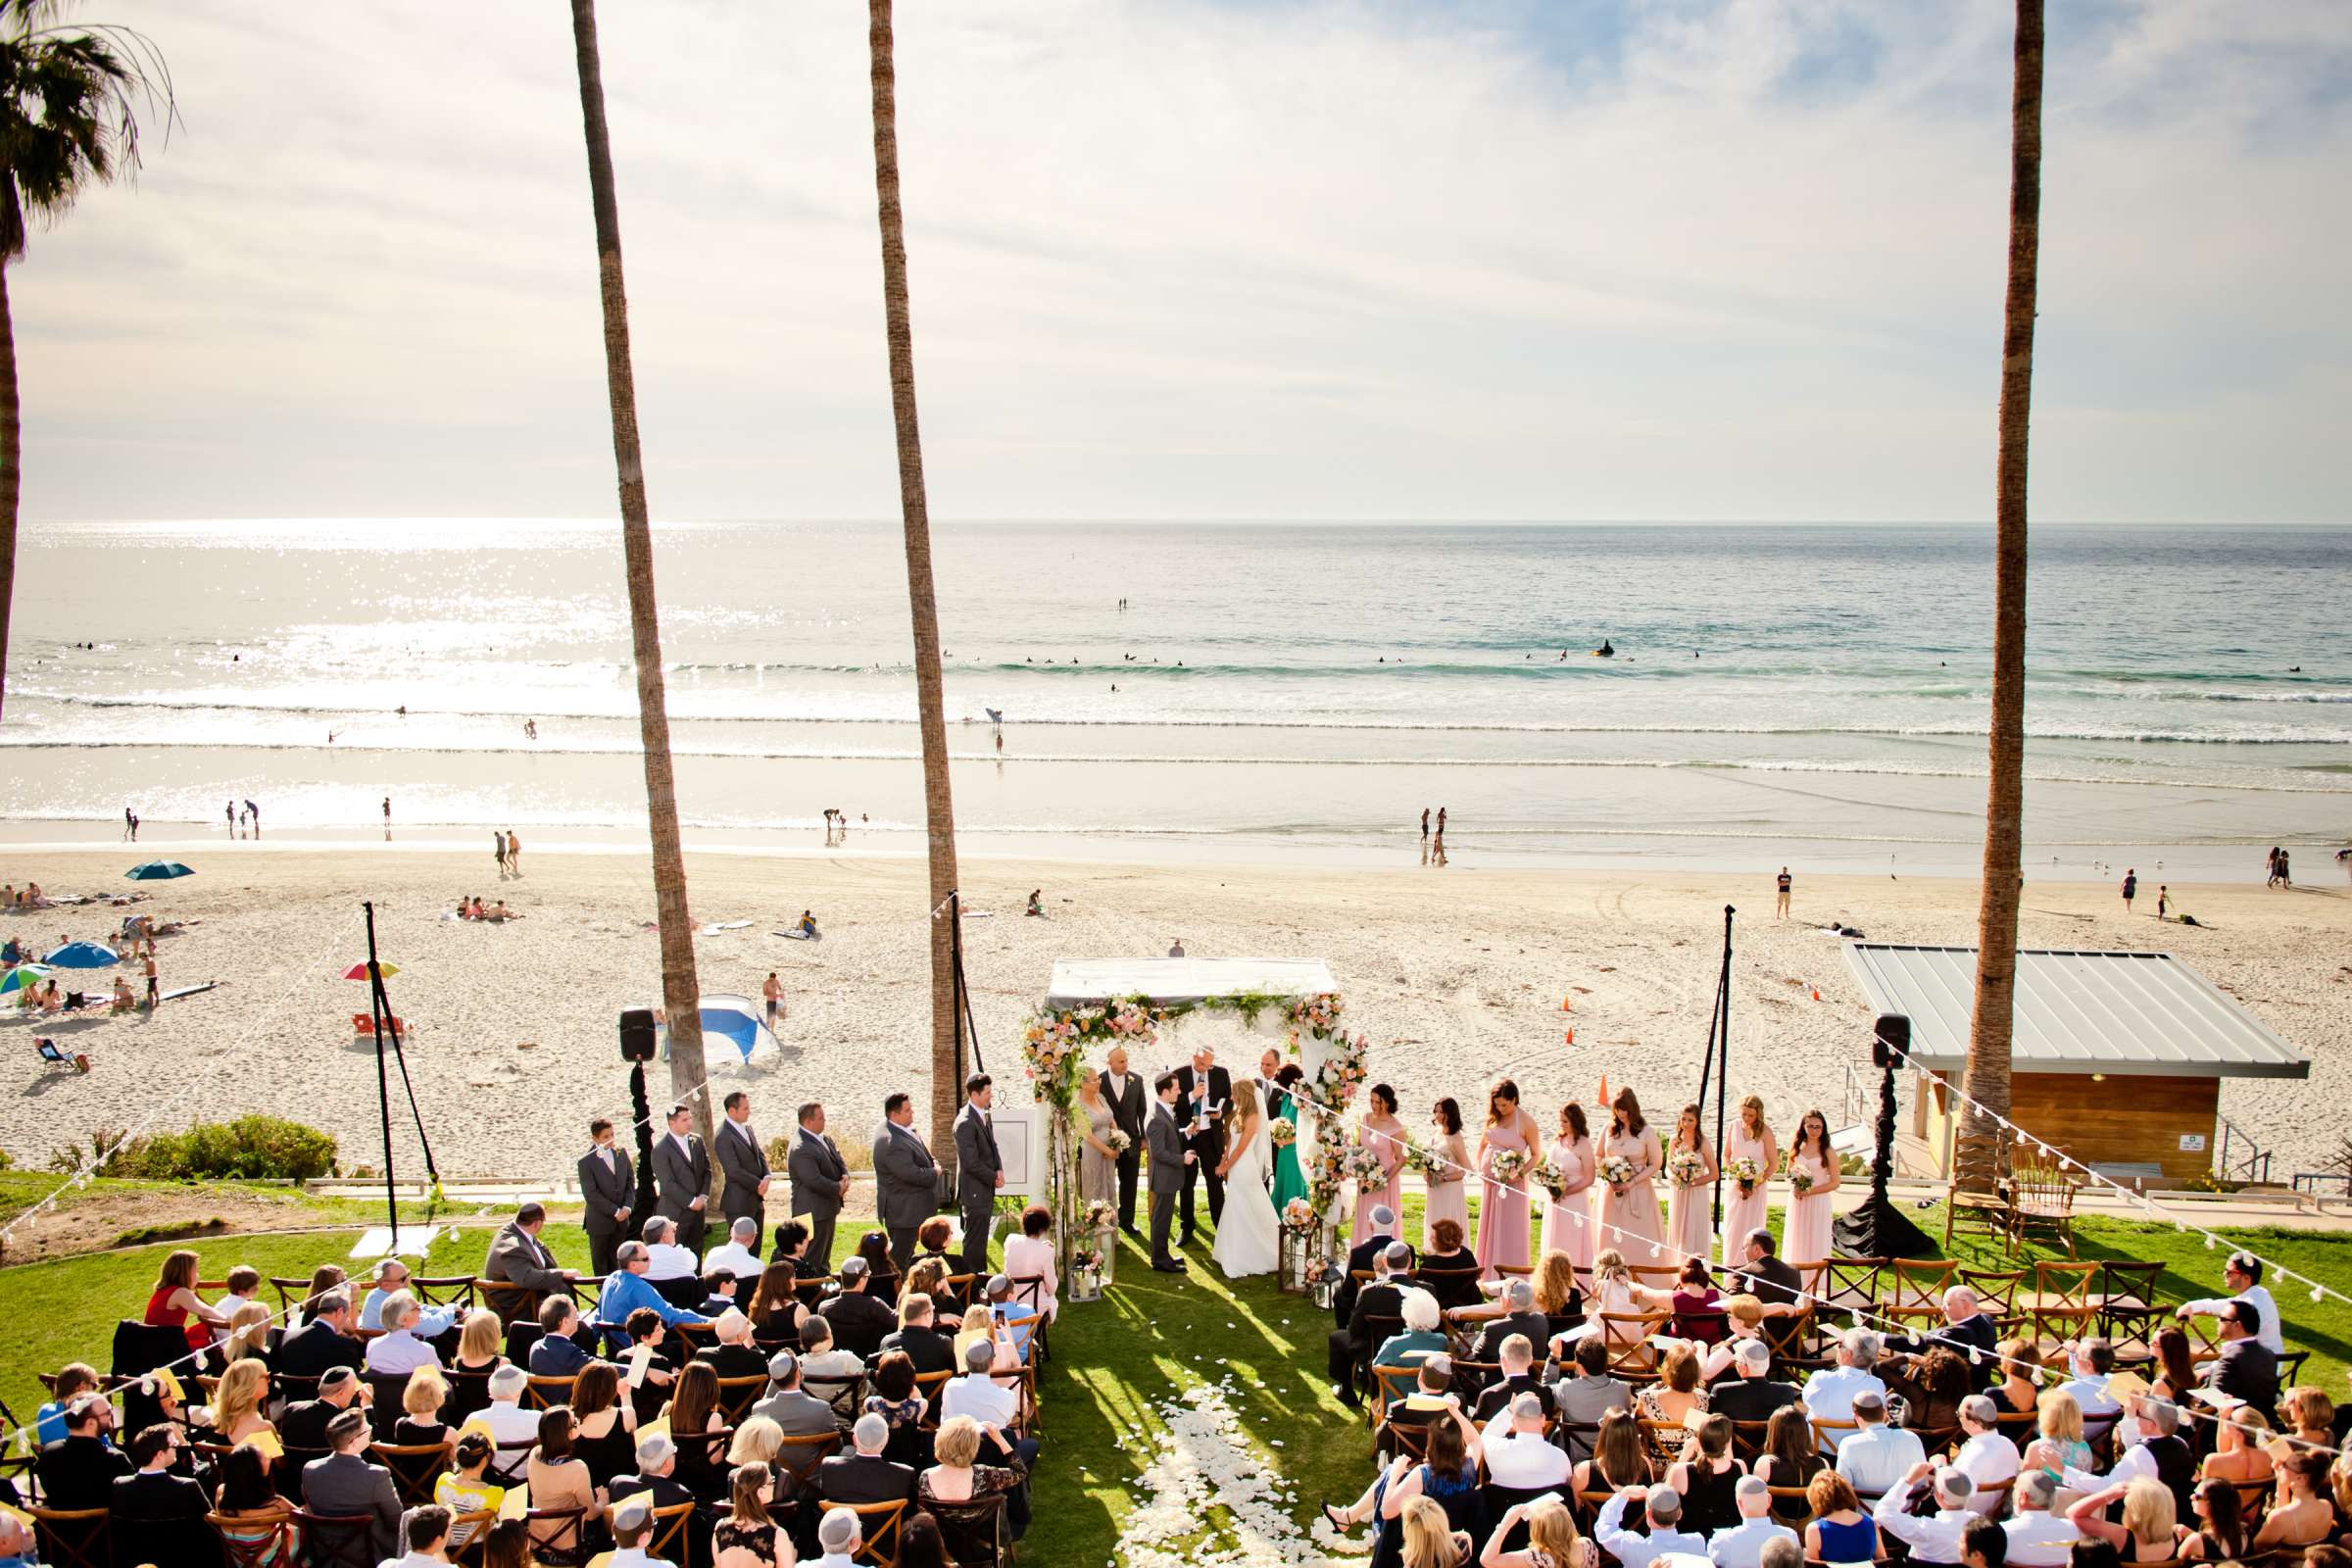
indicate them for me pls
(71, 100)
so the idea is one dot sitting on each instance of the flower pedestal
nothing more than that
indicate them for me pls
(1094, 1264)
(1298, 1250)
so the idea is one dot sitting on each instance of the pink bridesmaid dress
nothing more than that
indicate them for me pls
(1448, 1194)
(1690, 1213)
(1568, 1222)
(1390, 1195)
(1630, 1224)
(1741, 1215)
(1805, 1232)
(1502, 1208)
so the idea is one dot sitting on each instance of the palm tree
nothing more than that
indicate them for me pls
(939, 808)
(1979, 1159)
(682, 991)
(68, 119)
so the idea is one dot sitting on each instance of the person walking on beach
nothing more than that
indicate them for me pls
(130, 825)
(2131, 887)
(232, 819)
(253, 818)
(2271, 868)
(1780, 886)
(514, 855)
(498, 847)
(1441, 821)
(152, 999)
(773, 990)
(1425, 821)
(2285, 877)
(2164, 901)
(387, 814)
(1176, 949)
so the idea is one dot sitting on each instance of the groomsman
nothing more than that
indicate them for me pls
(744, 1163)
(979, 1171)
(682, 1177)
(1123, 1093)
(1207, 1094)
(906, 1177)
(1170, 1161)
(820, 1180)
(608, 1186)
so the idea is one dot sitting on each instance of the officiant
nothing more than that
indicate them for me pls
(1204, 1096)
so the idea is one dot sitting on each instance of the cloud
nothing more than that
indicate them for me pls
(1638, 259)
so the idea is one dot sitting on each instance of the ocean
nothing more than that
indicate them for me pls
(1809, 695)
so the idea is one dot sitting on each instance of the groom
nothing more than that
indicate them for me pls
(1207, 1097)
(1170, 1161)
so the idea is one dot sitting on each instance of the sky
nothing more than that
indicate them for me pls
(1612, 259)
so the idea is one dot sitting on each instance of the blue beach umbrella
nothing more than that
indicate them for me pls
(158, 871)
(82, 956)
(737, 1019)
(22, 976)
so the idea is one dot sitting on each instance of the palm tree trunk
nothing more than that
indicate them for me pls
(939, 808)
(1979, 1154)
(682, 991)
(11, 478)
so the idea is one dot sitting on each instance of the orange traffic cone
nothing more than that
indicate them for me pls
(1604, 1100)
(1817, 993)
(1572, 1037)
(1567, 1004)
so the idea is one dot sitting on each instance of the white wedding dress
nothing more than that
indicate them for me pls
(1249, 1237)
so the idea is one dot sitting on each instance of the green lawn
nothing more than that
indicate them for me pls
(1113, 1361)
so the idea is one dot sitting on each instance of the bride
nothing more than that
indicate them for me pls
(1247, 1236)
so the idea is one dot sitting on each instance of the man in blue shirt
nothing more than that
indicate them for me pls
(557, 1355)
(626, 1289)
(391, 1278)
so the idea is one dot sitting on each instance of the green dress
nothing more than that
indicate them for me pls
(1289, 1182)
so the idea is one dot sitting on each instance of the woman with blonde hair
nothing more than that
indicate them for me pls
(1552, 1537)
(958, 1476)
(237, 1401)
(1615, 1295)
(1555, 1290)
(1568, 1218)
(1430, 1539)
(1743, 1208)
(248, 1334)
(2237, 1455)
(2146, 1533)
(1691, 1195)
(2061, 1424)
(1628, 1209)
(2310, 1417)
(421, 1399)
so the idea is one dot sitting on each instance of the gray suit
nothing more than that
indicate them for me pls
(801, 1415)
(905, 1187)
(744, 1163)
(680, 1179)
(1166, 1142)
(518, 1259)
(345, 1483)
(604, 1194)
(817, 1171)
(977, 1166)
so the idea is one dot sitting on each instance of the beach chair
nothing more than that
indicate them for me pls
(54, 1059)
(363, 1026)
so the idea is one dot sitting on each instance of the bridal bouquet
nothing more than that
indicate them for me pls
(1689, 1166)
(1616, 1170)
(1553, 1179)
(1745, 1171)
(1281, 1133)
(1299, 1215)
(1365, 1164)
(1423, 1161)
(1118, 1141)
(1505, 1164)
(1800, 1179)
(1318, 1269)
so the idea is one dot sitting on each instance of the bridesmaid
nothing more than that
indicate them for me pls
(1290, 1179)
(1449, 1196)
(1631, 1208)
(1097, 1161)
(1383, 1134)
(1503, 1206)
(1743, 1212)
(1805, 1233)
(1689, 1207)
(1568, 1220)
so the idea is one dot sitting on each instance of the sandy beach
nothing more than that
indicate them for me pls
(1456, 975)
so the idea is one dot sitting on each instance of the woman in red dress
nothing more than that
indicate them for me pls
(177, 1305)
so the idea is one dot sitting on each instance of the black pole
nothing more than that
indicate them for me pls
(383, 1087)
(1723, 1084)
(389, 1023)
(964, 993)
(643, 1203)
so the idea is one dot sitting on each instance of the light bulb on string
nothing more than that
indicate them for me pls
(2319, 1294)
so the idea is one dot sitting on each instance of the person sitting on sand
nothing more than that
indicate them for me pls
(500, 911)
(51, 1000)
(808, 925)
(123, 1000)
(1036, 906)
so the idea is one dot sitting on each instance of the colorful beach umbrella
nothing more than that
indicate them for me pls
(22, 976)
(358, 970)
(158, 871)
(737, 1019)
(83, 955)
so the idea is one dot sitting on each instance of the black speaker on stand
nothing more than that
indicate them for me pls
(1879, 1229)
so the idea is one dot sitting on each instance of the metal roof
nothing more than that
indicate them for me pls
(1083, 982)
(2144, 1013)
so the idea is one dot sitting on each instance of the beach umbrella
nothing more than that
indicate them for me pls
(358, 970)
(22, 976)
(158, 871)
(83, 955)
(738, 1019)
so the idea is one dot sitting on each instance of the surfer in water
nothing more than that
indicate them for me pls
(1605, 651)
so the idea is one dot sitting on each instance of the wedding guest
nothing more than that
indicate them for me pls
(958, 1476)
(2221, 1534)
(174, 1303)
(398, 1349)
(865, 1474)
(1662, 1509)
(1551, 1538)
(1830, 1393)
(1586, 1396)
(1503, 1220)
(1990, 1458)
(1744, 1543)
(1420, 1339)
(1517, 1300)
(1360, 1257)
(1448, 1269)
(859, 1323)
(1557, 1296)
(1671, 1401)
(1568, 1218)
(1699, 1314)
(2175, 1370)
(821, 1359)
(1934, 1539)
(2303, 1515)
(1517, 1452)
(1429, 1541)
(748, 1538)
(1352, 1346)
(2019, 1364)
(1840, 1533)
(2145, 1533)
(1447, 1200)
(253, 1512)
(1518, 1377)
(556, 1353)
(2244, 1367)
(1708, 1477)
(919, 1337)
(557, 1479)
(2242, 1273)
(420, 1401)
(1876, 1456)
(1617, 1458)
(1030, 1261)
(2238, 1457)
(1768, 1277)
(1751, 1393)
(2039, 1536)
(1448, 1477)
(1789, 1458)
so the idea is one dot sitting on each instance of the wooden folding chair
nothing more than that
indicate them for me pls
(545, 1393)
(974, 1532)
(413, 1468)
(1850, 1282)
(559, 1535)
(1390, 1385)
(336, 1539)
(877, 1530)
(1627, 1335)
(737, 1395)
(253, 1544)
(1915, 1288)
(670, 1540)
(73, 1537)
(1996, 1289)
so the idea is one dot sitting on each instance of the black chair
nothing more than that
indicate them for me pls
(974, 1533)
(142, 1347)
(385, 1392)
(560, 1536)
(337, 1540)
(468, 1392)
(72, 1538)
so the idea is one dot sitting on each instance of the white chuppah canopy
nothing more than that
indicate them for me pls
(1088, 982)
